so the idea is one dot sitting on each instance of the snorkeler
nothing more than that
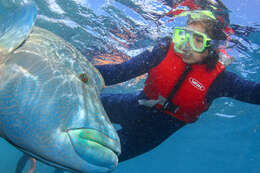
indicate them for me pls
(185, 74)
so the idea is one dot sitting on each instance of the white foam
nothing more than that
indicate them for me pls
(225, 115)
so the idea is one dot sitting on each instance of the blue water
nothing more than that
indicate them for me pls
(225, 139)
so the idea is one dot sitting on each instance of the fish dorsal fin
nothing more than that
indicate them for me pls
(15, 26)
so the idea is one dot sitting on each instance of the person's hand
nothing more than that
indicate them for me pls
(33, 165)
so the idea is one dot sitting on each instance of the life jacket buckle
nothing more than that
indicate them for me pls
(169, 106)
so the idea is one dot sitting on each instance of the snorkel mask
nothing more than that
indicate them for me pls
(182, 36)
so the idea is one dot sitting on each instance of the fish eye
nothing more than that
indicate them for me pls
(84, 78)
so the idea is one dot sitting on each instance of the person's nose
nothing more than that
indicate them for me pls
(186, 46)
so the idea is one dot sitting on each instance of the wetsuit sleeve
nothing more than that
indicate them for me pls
(138, 65)
(228, 84)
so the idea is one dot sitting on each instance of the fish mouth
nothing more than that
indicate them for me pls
(95, 147)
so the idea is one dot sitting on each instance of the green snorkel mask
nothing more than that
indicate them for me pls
(198, 41)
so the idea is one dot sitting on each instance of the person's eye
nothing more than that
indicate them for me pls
(199, 40)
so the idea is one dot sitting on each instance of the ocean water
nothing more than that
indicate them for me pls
(225, 139)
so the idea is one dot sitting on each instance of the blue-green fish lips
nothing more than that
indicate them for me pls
(95, 147)
(15, 26)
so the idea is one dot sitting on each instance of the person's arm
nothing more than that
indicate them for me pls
(228, 84)
(138, 65)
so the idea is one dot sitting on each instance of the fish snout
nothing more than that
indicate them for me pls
(95, 147)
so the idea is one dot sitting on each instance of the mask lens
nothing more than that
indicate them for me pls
(197, 41)
(179, 36)
(179, 39)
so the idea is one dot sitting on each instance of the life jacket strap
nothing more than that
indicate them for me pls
(168, 105)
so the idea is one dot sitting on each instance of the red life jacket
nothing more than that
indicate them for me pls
(190, 97)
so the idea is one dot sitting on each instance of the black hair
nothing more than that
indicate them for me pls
(212, 59)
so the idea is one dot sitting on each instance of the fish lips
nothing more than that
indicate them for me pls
(95, 147)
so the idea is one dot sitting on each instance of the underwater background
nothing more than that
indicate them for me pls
(225, 139)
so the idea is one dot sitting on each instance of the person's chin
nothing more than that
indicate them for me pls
(187, 60)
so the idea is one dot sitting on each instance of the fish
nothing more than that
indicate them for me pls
(50, 105)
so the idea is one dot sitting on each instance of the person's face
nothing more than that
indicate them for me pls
(189, 56)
